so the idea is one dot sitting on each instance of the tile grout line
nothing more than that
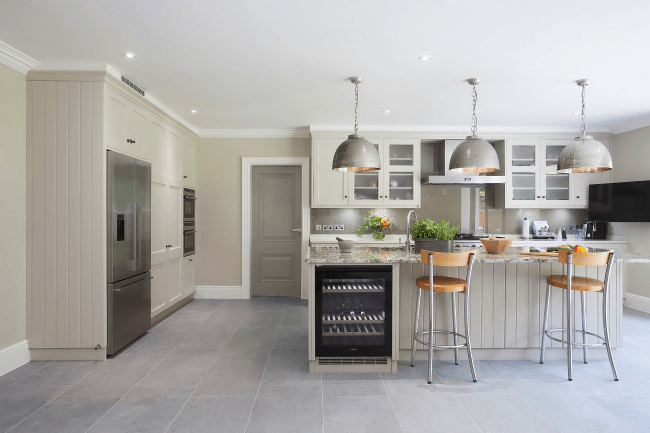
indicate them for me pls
(57, 396)
(264, 372)
(20, 380)
(157, 364)
(391, 403)
(209, 368)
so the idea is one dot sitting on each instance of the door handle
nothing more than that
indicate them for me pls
(130, 284)
(297, 230)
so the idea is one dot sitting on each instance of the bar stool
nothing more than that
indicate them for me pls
(583, 285)
(444, 285)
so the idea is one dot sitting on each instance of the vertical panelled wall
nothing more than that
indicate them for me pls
(507, 304)
(66, 218)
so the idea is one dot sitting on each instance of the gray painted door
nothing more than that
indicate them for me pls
(276, 250)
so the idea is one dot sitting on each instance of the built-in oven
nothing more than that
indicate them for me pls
(189, 237)
(353, 311)
(189, 204)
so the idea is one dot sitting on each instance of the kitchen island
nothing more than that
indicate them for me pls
(506, 301)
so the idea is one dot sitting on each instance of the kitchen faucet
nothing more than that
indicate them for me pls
(408, 229)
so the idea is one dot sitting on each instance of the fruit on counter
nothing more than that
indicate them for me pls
(580, 249)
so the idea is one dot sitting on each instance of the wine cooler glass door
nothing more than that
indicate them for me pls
(353, 311)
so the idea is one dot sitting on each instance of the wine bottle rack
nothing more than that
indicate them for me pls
(353, 329)
(353, 287)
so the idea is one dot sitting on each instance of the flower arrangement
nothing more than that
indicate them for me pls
(375, 222)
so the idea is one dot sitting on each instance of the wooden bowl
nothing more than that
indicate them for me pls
(496, 246)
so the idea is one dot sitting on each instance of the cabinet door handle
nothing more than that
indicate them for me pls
(577, 196)
(538, 197)
(543, 196)
(190, 260)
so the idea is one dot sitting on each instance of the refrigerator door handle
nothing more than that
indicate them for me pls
(130, 284)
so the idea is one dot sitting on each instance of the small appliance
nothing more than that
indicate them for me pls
(596, 230)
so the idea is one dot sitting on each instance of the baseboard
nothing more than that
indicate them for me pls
(13, 357)
(68, 354)
(171, 310)
(637, 302)
(218, 292)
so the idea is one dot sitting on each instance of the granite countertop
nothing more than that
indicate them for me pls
(363, 255)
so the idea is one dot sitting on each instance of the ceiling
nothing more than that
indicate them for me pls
(257, 64)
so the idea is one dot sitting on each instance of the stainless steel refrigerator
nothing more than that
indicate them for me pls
(128, 196)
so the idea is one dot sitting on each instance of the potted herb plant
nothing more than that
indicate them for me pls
(430, 236)
(375, 222)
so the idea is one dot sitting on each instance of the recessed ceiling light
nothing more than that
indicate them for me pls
(129, 55)
(192, 111)
(425, 58)
(386, 111)
(576, 114)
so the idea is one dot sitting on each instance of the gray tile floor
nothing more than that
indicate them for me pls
(241, 366)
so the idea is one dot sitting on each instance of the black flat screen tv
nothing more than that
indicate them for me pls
(620, 202)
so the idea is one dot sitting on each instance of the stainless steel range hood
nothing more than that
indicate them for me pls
(435, 165)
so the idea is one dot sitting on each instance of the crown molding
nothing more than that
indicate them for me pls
(255, 133)
(453, 133)
(13, 58)
(630, 125)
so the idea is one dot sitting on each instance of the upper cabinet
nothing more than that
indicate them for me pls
(188, 162)
(532, 180)
(397, 184)
(126, 126)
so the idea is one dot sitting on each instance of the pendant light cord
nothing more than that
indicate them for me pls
(583, 129)
(474, 99)
(356, 108)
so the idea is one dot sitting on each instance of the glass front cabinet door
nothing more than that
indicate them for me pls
(523, 188)
(366, 187)
(556, 187)
(400, 168)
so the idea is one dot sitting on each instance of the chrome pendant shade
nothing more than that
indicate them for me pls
(584, 155)
(356, 153)
(474, 155)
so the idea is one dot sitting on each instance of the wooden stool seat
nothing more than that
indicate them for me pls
(581, 284)
(442, 284)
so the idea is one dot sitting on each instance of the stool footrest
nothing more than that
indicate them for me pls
(559, 340)
(426, 343)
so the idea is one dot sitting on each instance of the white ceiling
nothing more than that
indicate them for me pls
(251, 64)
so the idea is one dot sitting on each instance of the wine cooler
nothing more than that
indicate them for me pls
(353, 311)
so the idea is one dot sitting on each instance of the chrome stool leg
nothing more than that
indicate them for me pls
(569, 340)
(431, 311)
(606, 332)
(415, 326)
(467, 338)
(545, 323)
(583, 304)
(454, 314)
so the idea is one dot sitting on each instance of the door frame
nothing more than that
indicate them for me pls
(247, 221)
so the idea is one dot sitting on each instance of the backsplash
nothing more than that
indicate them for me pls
(444, 203)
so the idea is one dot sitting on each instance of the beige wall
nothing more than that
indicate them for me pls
(13, 212)
(630, 154)
(218, 208)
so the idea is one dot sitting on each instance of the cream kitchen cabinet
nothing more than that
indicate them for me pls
(397, 184)
(187, 273)
(166, 215)
(188, 162)
(126, 126)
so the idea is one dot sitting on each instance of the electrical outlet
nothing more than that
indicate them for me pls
(336, 227)
(327, 227)
(319, 227)
(339, 227)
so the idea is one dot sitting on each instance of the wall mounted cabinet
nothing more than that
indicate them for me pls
(532, 180)
(396, 185)
(73, 118)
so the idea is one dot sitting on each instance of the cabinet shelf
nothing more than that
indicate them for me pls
(401, 187)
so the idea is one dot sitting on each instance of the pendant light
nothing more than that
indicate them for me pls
(584, 155)
(474, 155)
(356, 153)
